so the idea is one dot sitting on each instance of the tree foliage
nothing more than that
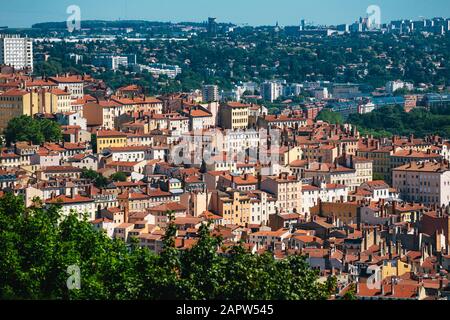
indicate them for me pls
(254, 54)
(350, 295)
(330, 117)
(393, 120)
(38, 244)
(38, 131)
(119, 177)
(98, 179)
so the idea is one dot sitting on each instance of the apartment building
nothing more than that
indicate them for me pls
(282, 121)
(424, 182)
(336, 174)
(402, 157)
(239, 141)
(56, 100)
(15, 103)
(233, 205)
(83, 206)
(320, 153)
(287, 190)
(313, 194)
(16, 52)
(271, 90)
(200, 119)
(381, 157)
(210, 93)
(346, 212)
(234, 115)
(72, 84)
(110, 139)
(263, 206)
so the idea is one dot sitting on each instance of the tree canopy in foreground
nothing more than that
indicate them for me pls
(37, 245)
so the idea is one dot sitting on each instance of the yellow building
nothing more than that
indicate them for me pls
(15, 103)
(395, 268)
(234, 115)
(110, 139)
(54, 101)
(234, 206)
(61, 101)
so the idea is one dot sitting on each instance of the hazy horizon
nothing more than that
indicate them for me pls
(25, 13)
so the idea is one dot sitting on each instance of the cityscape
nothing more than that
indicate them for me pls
(211, 160)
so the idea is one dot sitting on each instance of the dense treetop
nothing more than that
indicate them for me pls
(37, 131)
(37, 245)
(388, 121)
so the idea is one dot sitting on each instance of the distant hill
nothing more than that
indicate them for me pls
(97, 24)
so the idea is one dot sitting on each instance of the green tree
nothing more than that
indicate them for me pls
(393, 120)
(119, 177)
(38, 131)
(23, 128)
(350, 295)
(378, 176)
(50, 130)
(331, 117)
(98, 179)
(38, 244)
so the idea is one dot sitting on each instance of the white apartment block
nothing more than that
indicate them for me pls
(129, 154)
(16, 52)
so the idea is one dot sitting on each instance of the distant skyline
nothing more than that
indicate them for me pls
(24, 13)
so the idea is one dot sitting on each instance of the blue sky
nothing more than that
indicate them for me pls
(23, 13)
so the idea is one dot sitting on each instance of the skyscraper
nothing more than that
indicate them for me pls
(16, 52)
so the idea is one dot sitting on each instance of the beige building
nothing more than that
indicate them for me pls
(364, 170)
(102, 114)
(234, 206)
(72, 84)
(329, 173)
(287, 190)
(402, 157)
(282, 121)
(381, 157)
(56, 100)
(15, 103)
(424, 182)
(320, 153)
(346, 212)
(234, 115)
